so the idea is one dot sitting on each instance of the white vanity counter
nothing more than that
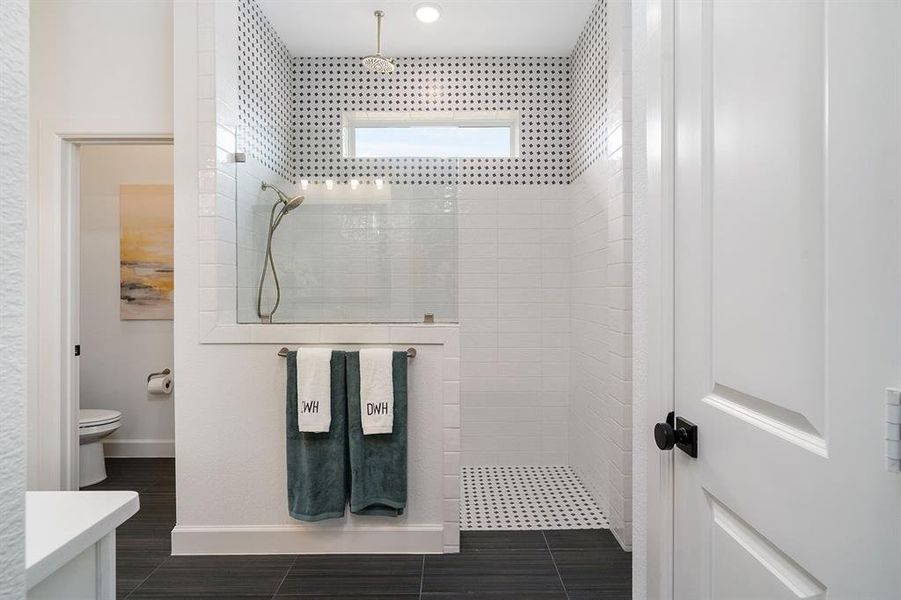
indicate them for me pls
(70, 543)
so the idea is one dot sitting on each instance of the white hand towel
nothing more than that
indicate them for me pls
(376, 391)
(314, 389)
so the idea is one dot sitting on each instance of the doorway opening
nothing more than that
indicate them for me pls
(118, 319)
(125, 306)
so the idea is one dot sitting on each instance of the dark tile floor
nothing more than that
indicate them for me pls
(492, 565)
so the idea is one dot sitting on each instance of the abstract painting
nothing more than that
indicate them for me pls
(145, 252)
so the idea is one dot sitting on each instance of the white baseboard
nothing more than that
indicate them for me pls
(618, 534)
(139, 448)
(308, 539)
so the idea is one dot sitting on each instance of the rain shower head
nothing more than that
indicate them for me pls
(378, 63)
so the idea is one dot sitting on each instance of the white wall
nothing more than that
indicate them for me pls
(101, 58)
(116, 355)
(514, 322)
(13, 170)
(97, 67)
(600, 419)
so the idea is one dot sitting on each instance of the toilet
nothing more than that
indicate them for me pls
(94, 424)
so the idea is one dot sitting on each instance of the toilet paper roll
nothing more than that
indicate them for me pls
(160, 385)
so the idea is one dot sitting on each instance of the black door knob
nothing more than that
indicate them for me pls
(677, 432)
(665, 436)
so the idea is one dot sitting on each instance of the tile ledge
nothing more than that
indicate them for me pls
(293, 333)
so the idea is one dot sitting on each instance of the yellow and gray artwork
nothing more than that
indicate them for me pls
(145, 252)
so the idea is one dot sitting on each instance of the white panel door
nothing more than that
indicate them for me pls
(787, 298)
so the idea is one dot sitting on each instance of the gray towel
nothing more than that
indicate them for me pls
(317, 462)
(378, 463)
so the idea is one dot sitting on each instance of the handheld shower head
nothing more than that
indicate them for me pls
(280, 208)
(290, 202)
(293, 203)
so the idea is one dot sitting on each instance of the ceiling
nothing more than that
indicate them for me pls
(466, 27)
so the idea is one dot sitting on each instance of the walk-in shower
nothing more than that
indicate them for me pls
(470, 172)
(282, 206)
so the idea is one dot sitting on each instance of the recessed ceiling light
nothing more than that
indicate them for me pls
(427, 12)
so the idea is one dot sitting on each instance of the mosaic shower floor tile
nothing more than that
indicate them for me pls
(527, 497)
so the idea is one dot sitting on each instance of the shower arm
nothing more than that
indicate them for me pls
(378, 32)
(282, 196)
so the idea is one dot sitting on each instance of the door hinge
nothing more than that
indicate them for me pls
(893, 430)
(77, 349)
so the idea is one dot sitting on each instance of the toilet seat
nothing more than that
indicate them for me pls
(93, 417)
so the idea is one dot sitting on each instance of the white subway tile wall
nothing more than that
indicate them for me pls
(514, 323)
(349, 255)
(600, 419)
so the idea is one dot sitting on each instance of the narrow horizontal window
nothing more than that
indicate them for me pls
(419, 135)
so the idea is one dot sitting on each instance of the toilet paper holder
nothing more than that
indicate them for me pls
(164, 372)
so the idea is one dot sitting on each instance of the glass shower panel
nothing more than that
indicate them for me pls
(351, 252)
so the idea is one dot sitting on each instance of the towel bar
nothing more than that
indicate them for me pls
(411, 352)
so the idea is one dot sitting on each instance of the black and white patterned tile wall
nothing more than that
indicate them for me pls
(264, 92)
(536, 87)
(589, 112)
(291, 108)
